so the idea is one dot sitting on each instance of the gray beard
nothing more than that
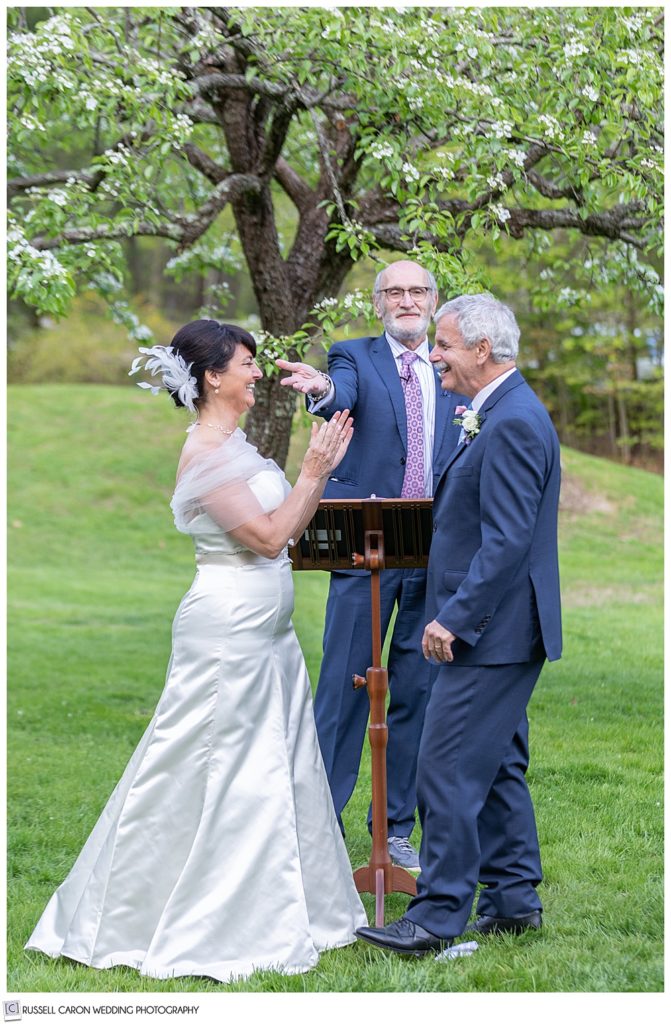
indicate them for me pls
(405, 334)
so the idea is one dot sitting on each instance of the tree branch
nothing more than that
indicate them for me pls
(548, 188)
(15, 186)
(183, 230)
(376, 208)
(381, 216)
(106, 27)
(298, 190)
(610, 224)
(216, 82)
(535, 153)
(390, 236)
(233, 186)
(201, 112)
(91, 178)
(204, 163)
(329, 170)
(274, 138)
(77, 236)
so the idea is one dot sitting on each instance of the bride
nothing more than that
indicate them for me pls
(219, 852)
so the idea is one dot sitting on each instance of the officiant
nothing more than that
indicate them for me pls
(403, 420)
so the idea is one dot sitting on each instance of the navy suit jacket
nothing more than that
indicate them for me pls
(367, 382)
(493, 577)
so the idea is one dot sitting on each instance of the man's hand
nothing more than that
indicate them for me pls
(437, 643)
(303, 378)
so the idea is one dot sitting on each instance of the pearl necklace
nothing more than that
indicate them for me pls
(215, 426)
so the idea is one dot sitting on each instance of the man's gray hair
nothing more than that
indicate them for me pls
(378, 280)
(483, 316)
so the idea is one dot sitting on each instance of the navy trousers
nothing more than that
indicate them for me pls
(474, 804)
(341, 713)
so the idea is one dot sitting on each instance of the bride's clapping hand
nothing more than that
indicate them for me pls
(328, 444)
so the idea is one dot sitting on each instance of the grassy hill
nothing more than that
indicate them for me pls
(96, 571)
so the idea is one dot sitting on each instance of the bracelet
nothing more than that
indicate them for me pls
(322, 394)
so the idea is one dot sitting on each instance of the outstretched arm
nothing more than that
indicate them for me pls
(304, 378)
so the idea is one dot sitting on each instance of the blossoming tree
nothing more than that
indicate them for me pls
(402, 130)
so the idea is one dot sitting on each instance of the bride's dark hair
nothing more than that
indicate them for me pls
(208, 345)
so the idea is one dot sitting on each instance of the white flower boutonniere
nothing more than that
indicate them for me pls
(469, 421)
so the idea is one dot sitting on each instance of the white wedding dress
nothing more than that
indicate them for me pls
(219, 852)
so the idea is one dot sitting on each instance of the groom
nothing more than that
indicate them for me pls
(494, 617)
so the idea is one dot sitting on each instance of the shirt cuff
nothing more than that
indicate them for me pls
(315, 404)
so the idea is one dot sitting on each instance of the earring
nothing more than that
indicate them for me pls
(216, 391)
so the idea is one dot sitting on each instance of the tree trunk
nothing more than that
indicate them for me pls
(565, 431)
(612, 432)
(268, 424)
(631, 328)
(285, 292)
(623, 422)
(285, 289)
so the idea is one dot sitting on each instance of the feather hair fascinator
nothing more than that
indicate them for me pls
(176, 375)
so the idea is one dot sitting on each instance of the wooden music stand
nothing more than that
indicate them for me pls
(393, 533)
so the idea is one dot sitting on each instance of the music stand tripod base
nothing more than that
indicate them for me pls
(394, 533)
(379, 876)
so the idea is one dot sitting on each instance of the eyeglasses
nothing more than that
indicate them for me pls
(396, 294)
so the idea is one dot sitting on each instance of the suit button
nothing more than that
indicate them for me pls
(403, 461)
(435, 528)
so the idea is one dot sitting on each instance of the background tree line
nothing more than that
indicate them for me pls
(261, 164)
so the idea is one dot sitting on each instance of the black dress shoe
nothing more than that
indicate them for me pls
(404, 936)
(485, 925)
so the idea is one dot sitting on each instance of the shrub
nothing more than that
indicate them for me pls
(87, 347)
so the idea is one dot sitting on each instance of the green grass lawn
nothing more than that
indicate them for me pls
(96, 571)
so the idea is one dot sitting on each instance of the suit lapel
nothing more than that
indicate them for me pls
(456, 452)
(444, 415)
(513, 381)
(385, 364)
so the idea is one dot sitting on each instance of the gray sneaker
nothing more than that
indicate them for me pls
(402, 853)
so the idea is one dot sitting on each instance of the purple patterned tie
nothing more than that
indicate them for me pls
(413, 481)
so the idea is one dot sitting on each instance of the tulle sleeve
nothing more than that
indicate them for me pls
(214, 493)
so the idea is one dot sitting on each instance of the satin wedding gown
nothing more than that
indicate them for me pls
(219, 852)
